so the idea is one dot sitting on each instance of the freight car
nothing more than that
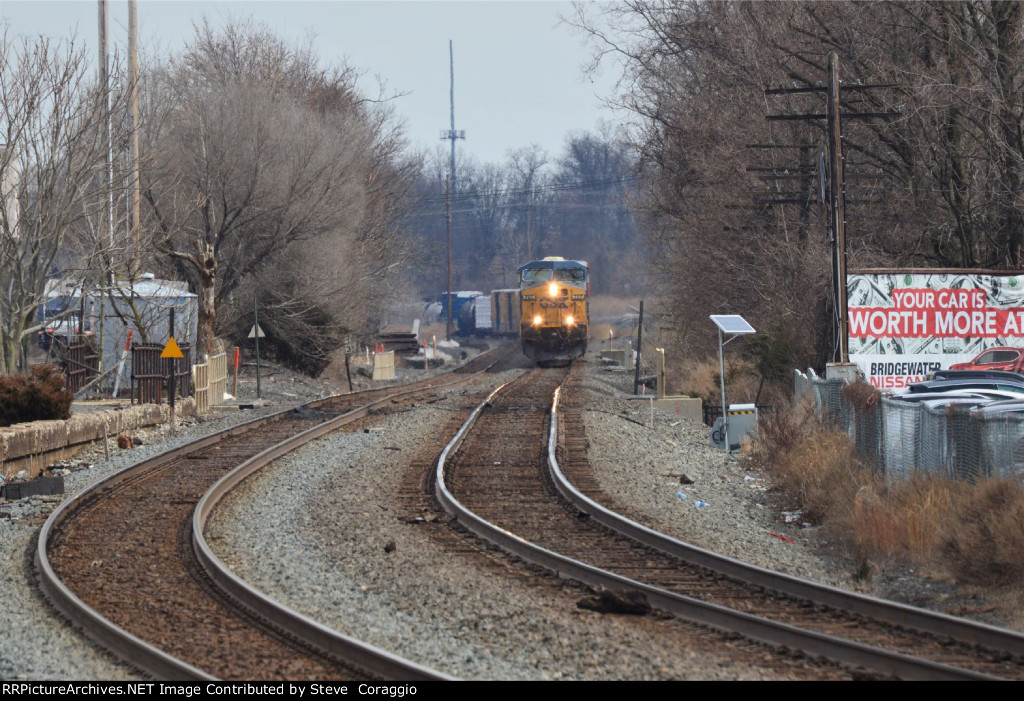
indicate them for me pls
(494, 313)
(555, 297)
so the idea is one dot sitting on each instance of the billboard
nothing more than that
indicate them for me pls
(906, 324)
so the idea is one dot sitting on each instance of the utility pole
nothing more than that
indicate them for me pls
(529, 240)
(449, 183)
(448, 226)
(104, 64)
(104, 67)
(832, 122)
(837, 201)
(134, 193)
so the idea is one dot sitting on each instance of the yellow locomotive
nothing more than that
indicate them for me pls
(555, 298)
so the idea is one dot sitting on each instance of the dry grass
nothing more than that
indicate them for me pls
(973, 532)
(700, 378)
(902, 520)
(984, 542)
(812, 463)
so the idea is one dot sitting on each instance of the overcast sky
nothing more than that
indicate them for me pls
(518, 70)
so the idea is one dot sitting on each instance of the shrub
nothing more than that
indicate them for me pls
(904, 518)
(974, 531)
(743, 382)
(985, 542)
(39, 396)
(812, 463)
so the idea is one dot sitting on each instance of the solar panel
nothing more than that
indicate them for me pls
(732, 323)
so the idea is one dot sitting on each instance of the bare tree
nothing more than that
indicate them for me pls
(694, 80)
(54, 185)
(266, 162)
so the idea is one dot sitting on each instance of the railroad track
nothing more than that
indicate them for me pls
(497, 479)
(126, 561)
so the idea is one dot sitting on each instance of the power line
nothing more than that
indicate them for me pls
(510, 192)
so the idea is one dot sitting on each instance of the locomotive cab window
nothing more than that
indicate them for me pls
(571, 274)
(537, 274)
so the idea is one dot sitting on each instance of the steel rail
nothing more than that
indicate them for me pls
(892, 612)
(718, 617)
(372, 659)
(113, 637)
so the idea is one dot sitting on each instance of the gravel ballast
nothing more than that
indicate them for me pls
(322, 530)
(38, 644)
(665, 474)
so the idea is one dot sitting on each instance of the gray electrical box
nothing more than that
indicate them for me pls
(742, 423)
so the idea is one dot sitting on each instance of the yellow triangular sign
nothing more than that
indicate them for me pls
(171, 350)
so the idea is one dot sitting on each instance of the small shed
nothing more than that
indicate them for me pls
(144, 305)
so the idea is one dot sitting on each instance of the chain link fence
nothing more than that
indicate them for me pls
(898, 438)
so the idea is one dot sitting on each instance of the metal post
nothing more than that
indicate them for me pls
(721, 377)
(639, 340)
(661, 372)
(256, 333)
(448, 221)
(174, 377)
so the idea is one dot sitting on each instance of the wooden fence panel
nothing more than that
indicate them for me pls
(75, 372)
(218, 377)
(149, 373)
(201, 387)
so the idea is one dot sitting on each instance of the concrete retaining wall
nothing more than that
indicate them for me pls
(36, 445)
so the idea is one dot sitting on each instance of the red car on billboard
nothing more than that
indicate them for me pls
(1000, 358)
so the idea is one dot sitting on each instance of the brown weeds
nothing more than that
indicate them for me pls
(701, 378)
(975, 532)
(984, 543)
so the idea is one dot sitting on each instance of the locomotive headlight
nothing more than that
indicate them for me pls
(538, 320)
(553, 289)
(569, 320)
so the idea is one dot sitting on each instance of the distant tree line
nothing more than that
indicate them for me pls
(938, 186)
(265, 177)
(576, 205)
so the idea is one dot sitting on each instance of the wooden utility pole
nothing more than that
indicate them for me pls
(835, 170)
(837, 202)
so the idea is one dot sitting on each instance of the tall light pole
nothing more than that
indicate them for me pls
(449, 184)
(104, 67)
(134, 193)
(448, 228)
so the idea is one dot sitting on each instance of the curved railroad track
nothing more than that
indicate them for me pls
(497, 467)
(125, 559)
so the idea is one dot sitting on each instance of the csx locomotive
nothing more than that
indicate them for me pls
(555, 299)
